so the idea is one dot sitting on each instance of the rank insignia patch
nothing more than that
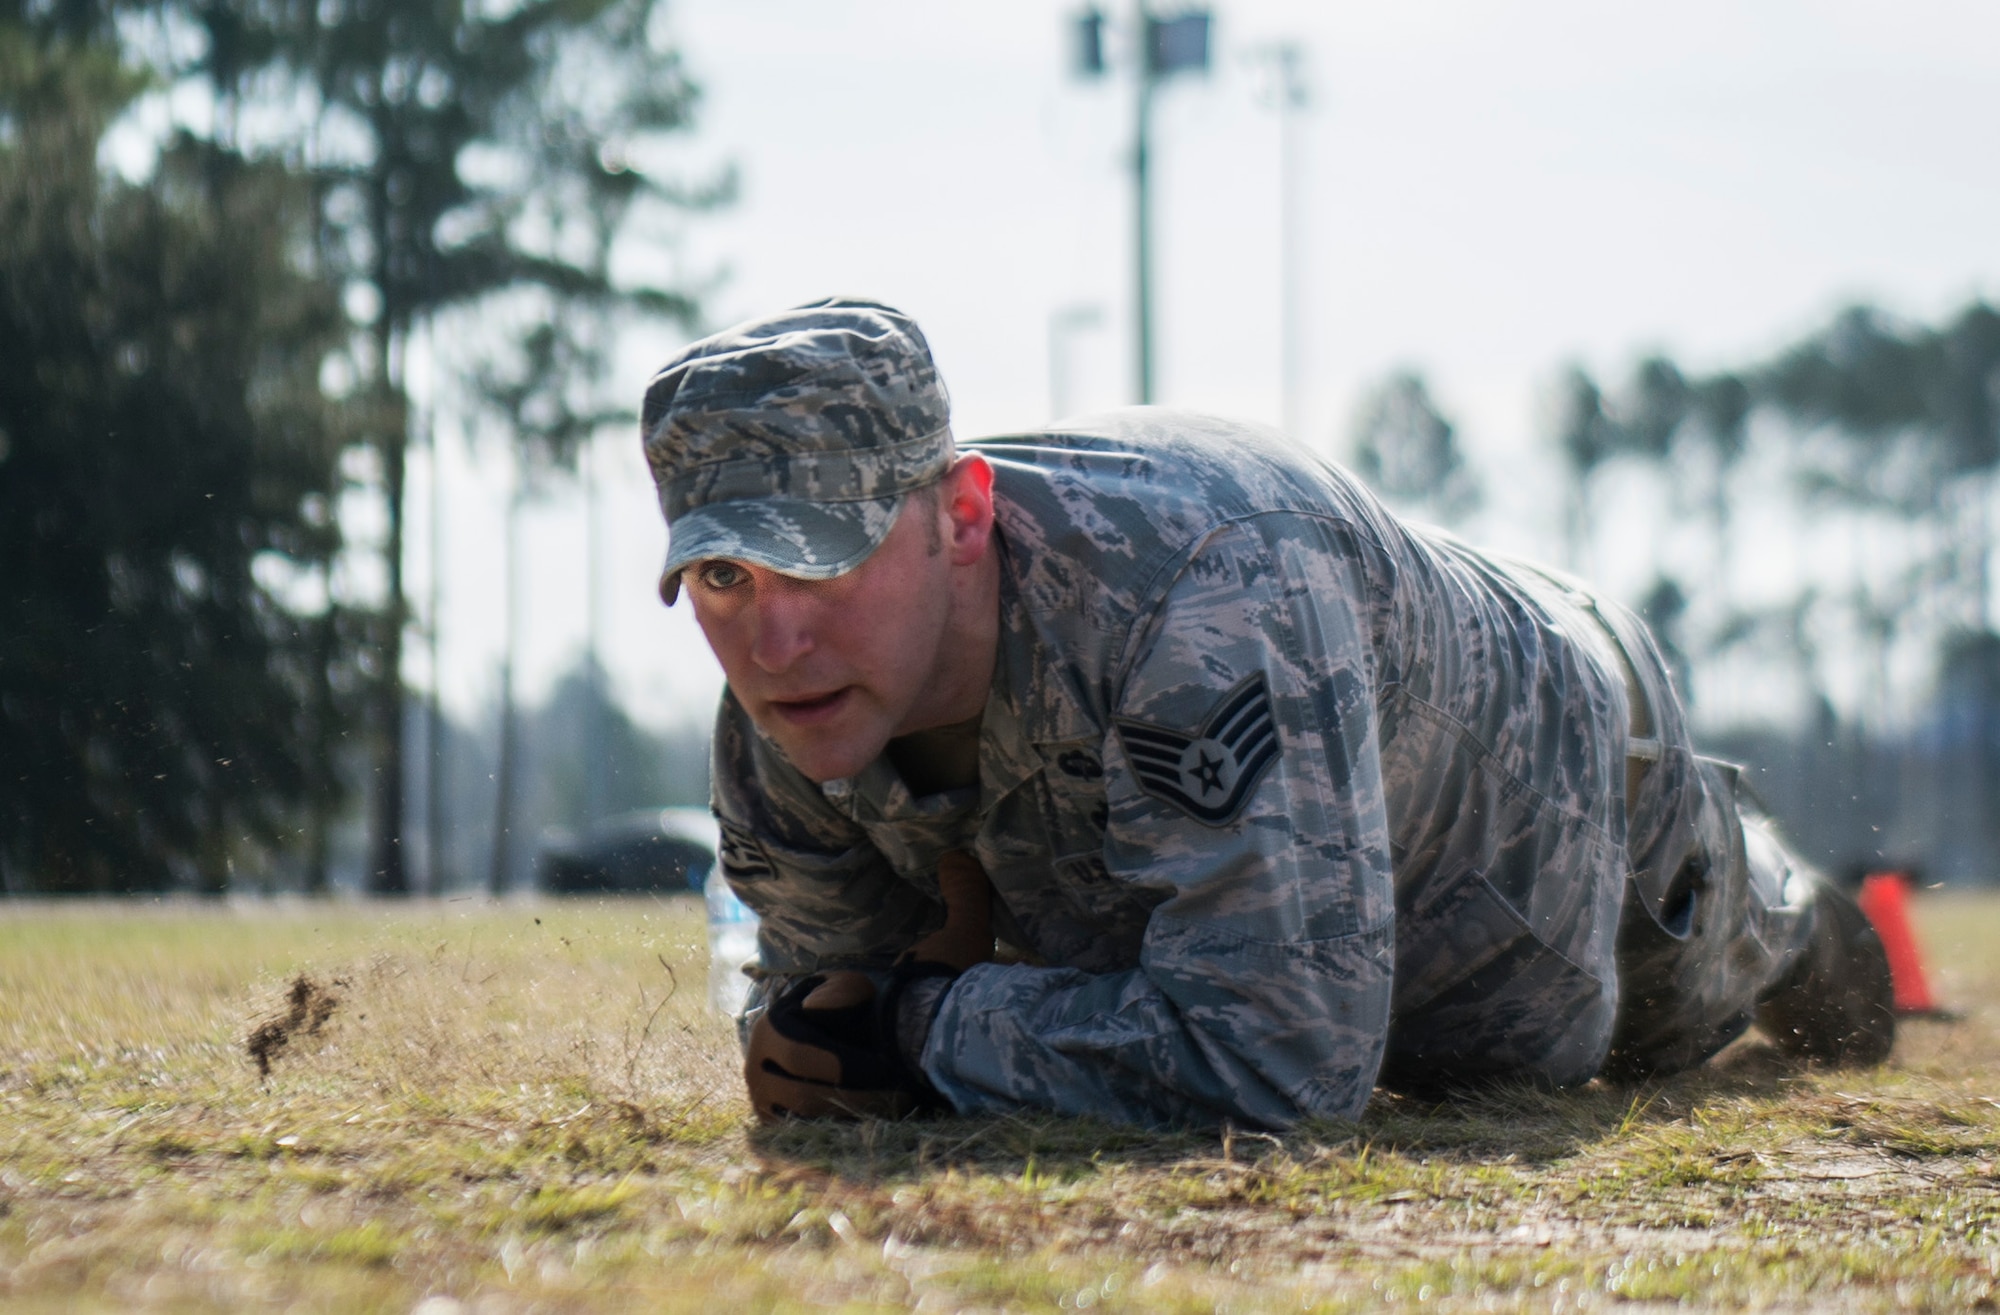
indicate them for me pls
(1210, 773)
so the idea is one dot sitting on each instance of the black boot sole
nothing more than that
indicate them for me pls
(1838, 1005)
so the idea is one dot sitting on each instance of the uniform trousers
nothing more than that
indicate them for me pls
(1713, 911)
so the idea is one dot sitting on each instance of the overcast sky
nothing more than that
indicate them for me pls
(1487, 191)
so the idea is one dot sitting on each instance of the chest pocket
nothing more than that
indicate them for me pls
(1073, 802)
(1105, 917)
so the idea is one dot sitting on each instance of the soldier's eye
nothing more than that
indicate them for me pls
(720, 575)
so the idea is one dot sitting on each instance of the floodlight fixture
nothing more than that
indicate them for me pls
(1161, 45)
(1178, 44)
(1089, 48)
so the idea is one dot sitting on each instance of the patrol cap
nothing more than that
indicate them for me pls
(789, 441)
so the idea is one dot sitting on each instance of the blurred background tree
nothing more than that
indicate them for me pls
(195, 356)
(1409, 453)
(1873, 443)
(1810, 537)
(461, 156)
(168, 469)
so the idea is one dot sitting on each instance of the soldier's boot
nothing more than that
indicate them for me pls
(1837, 1004)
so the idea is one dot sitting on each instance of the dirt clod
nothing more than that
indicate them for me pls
(308, 1005)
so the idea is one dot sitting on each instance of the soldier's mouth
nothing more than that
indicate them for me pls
(811, 710)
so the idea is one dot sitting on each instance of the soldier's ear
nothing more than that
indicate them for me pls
(968, 501)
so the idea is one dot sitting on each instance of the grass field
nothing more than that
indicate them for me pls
(515, 1107)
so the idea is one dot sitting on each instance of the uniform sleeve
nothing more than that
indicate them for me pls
(1244, 785)
(824, 895)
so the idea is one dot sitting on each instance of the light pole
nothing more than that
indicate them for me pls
(499, 871)
(597, 740)
(1164, 46)
(1289, 96)
(1062, 325)
(1142, 212)
(437, 872)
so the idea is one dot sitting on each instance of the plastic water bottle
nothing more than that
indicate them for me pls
(732, 941)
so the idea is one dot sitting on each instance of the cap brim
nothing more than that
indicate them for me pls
(806, 540)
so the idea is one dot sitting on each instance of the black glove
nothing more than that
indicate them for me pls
(827, 1047)
(840, 1046)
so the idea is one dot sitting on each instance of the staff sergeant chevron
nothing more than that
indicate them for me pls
(1207, 775)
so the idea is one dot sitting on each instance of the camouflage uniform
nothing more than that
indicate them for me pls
(1279, 795)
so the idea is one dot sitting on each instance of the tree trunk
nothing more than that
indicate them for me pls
(387, 874)
(437, 872)
(499, 874)
(320, 765)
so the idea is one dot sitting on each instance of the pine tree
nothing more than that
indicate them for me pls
(464, 155)
(167, 473)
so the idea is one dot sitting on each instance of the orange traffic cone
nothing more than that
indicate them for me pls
(1885, 899)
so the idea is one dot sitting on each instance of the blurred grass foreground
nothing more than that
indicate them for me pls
(499, 1107)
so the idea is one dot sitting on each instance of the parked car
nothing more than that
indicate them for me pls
(656, 850)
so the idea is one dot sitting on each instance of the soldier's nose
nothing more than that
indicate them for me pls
(782, 633)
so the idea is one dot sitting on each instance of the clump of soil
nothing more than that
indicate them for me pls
(307, 1007)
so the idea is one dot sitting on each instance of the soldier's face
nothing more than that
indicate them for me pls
(833, 669)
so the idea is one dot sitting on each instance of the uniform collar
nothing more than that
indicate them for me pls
(1031, 707)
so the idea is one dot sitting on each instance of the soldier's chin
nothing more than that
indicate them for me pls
(826, 755)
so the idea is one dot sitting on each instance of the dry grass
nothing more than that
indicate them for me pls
(513, 1107)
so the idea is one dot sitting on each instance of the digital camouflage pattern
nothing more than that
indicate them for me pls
(1277, 795)
(789, 440)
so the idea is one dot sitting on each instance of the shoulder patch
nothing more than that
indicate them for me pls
(1208, 773)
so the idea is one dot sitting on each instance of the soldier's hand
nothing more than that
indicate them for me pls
(830, 1046)
(817, 1052)
(967, 935)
